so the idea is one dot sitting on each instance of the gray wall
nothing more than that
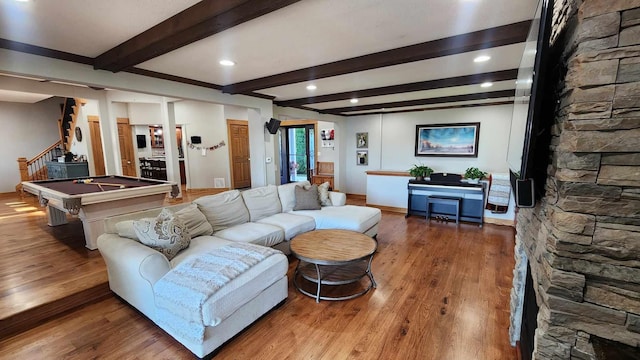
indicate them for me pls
(27, 130)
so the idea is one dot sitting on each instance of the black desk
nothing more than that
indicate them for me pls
(471, 205)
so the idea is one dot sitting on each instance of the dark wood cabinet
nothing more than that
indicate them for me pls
(157, 169)
(156, 136)
(67, 170)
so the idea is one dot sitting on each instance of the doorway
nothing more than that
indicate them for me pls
(96, 145)
(240, 162)
(125, 139)
(297, 152)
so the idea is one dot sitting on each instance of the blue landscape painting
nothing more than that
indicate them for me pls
(447, 140)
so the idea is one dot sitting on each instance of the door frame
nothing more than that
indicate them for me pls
(299, 122)
(132, 153)
(97, 151)
(235, 122)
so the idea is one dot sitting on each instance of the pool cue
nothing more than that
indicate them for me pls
(100, 186)
(91, 182)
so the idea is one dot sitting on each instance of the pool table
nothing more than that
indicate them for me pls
(96, 198)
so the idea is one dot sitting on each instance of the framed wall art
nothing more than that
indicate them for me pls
(362, 140)
(362, 157)
(460, 139)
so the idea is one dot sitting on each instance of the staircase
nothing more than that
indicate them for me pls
(35, 168)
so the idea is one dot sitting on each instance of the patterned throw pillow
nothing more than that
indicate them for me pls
(166, 233)
(323, 194)
(307, 199)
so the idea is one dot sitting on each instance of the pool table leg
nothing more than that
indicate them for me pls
(56, 216)
(92, 229)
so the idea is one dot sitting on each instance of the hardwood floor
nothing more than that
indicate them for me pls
(443, 293)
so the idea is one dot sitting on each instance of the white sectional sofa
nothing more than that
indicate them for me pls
(262, 216)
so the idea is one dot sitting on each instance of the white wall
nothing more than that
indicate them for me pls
(207, 121)
(144, 113)
(392, 142)
(28, 129)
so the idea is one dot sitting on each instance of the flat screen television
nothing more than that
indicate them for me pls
(528, 152)
(142, 141)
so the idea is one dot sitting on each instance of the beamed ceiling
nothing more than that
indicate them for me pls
(401, 55)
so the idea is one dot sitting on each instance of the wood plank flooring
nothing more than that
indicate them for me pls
(443, 293)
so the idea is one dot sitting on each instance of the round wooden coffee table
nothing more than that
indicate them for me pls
(333, 257)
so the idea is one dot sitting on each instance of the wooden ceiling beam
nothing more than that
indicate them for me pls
(420, 102)
(445, 107)
(42, 51)
(201, 20)
(511, 74)
(478, 40)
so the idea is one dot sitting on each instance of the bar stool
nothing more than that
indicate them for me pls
(444, 200)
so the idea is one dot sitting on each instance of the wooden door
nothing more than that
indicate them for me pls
(238, 131)
(126, 147)
(96, 145)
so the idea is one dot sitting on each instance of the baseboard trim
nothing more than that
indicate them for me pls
(389, 208)
(504, 222)
(357, 197)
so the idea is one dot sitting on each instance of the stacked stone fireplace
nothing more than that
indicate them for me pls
(582, 240)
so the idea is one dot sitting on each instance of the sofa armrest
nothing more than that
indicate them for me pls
(131, 257)
(337, 198)
(133, 268)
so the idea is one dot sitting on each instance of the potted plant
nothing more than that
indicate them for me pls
(420, 171)
(473, 174)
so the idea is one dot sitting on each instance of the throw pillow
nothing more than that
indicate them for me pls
(166, 233)
(323, 194)
(195, 221)
(287, 194)
(307, 199)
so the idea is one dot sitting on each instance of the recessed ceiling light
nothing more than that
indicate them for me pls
(354, 101)
(311, 87)
(227, 63)
(486, 84)
(482, 58)
(22, 0)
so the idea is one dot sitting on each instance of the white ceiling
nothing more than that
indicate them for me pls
(304, 34)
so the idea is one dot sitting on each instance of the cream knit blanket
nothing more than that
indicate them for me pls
(181, 293)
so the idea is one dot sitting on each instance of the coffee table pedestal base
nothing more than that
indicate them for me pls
(334, 275)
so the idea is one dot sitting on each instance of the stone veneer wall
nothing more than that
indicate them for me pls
(583, 238)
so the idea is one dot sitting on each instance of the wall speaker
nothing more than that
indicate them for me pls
(525, 193)
(142, 141)
(272, 125)
(196, 140)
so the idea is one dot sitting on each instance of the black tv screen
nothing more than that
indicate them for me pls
(142, 141)
(527, 155)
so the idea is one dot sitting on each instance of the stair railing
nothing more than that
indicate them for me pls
(35, 168)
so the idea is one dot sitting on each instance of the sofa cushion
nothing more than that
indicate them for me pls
(348, 217)
(223, 210)
(287, 194)
(255, 233)
(241, 289)
(125, 228)
(307, 199)
(323, 194)
(291, 224)
(195, 221)
(262, 202)
(166, 233)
